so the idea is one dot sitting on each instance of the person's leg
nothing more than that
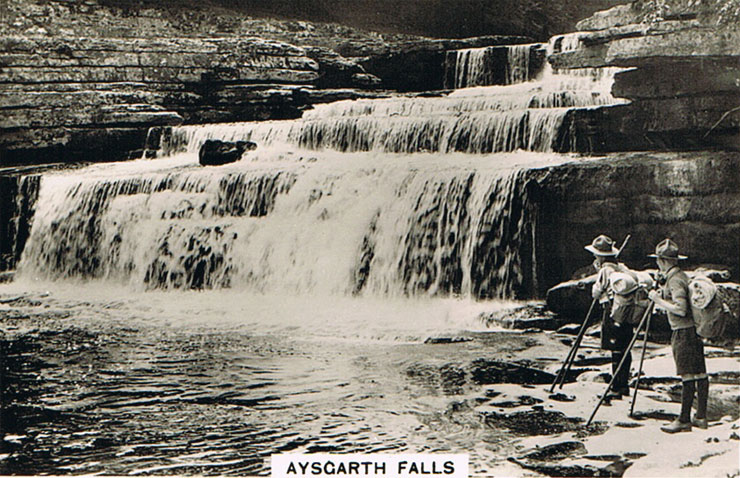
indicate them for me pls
(702, 395)
(687, 399)
(621, 381)
(683, 422)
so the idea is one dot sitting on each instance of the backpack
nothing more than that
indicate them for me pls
(707, 308)
(630, 295)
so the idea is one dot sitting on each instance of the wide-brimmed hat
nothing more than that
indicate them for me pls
(602, 246)
(667, 249)
(623, 283)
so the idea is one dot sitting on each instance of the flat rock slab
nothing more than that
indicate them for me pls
(533, 422)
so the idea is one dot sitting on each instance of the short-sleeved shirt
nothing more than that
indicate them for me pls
(676, 290)
(601, 289)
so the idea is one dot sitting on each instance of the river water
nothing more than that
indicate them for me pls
(215, 382)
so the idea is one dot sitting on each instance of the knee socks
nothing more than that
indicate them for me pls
(702, 393)
(687, 398)
(622, 378)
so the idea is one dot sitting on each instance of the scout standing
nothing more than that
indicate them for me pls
(614, 336)
(688, 349)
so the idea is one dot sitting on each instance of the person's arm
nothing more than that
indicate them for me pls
(600, 285)
(679, 304)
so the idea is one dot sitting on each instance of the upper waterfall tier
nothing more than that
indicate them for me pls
(499, 65)
(526, 116)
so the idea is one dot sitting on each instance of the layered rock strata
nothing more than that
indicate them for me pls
(684, 81)
(95, 98)
(692, 198)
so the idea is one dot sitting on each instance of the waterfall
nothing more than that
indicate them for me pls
(517, 64)
(409, 195)
(527, 114)
(475, 132)
(470, 68)
(504, 65)
(357, 224)
(18, 195)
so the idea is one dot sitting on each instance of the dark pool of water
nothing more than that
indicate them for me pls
(128, 398)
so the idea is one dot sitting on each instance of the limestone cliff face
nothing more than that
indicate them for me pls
(692, 198)
(683, 81)
(93, 98)
(89, 89)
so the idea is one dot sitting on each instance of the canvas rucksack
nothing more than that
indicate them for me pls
(709, 312)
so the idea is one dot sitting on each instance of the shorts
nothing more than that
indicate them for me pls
(688, 352)
(614, 337)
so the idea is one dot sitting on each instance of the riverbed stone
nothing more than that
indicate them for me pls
(484, 371)
(217, 152)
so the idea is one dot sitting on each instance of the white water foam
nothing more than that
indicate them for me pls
(333, 224)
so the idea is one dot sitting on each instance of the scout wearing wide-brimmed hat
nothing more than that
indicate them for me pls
(614, 337)
(688, 349)
(604, 251)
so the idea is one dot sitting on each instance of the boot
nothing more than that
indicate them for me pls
(700, 423)
(677, 426)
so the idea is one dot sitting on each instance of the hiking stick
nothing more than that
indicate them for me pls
(621, 362)
(642, 357)
(571, 357)
(560, 377)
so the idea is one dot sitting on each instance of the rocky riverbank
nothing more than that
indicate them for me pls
(492, 384)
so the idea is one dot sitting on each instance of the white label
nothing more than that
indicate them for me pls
(375, 465)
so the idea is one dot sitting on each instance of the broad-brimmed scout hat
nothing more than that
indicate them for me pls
(623, 283)
(602, 246)
(667, 249)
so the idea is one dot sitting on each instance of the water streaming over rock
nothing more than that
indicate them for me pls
(18, 195)
(333, 226)
(528, 114)
(333, 202)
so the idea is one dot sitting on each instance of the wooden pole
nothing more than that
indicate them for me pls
(642, 358)
(621, 362)
(571, 357)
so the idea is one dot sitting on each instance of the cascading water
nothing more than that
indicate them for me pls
(504, 65)
(330, 203)
(359, 224)
(525, 115)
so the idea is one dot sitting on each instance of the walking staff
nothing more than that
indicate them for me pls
(647, 314)
(602, 247)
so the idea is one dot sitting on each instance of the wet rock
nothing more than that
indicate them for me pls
(561, 397)
(717, 273)
(571, 329)
(447, 340)
(485, 371)
(523, 400)
(452, 378)
(7, 276)
(217, 152)
(521, 318)
(534, 422)
(557, 451)
(690, 110)
(628, 425)
(572, 299)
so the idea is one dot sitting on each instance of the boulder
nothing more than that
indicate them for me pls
(571, 301)
(485, 371)
(217, 152)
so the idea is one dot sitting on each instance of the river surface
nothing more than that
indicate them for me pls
(103, 380)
